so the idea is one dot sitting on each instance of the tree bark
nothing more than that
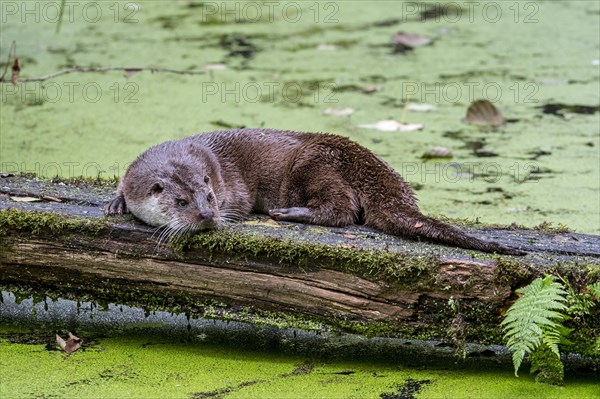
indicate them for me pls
(261, 271)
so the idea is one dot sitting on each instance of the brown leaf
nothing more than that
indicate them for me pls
(371, 89)
(16, 70)
(418, 225)
(72, 343)
(437, 152)
(49, 198)
(403, 41)
(484, 113)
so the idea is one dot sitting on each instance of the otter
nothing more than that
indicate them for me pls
(200, 182)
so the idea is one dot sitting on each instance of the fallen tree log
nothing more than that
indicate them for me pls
(286, 274)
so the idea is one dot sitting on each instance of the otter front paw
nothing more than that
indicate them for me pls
(295, 214)
(116, 206)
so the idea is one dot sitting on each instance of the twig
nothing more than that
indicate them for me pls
(108, 69)
(11, 53)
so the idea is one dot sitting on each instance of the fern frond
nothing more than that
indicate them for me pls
(518, 359)
(552, 337)
(535, 318)
(595, 289)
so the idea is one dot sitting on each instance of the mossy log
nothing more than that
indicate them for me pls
(286, 274)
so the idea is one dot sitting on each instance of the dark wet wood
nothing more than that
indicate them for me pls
(124, 258)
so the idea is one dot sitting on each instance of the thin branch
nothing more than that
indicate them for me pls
(108, 69)
(12, 52)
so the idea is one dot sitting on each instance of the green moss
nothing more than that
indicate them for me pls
(584, 338)
(376, 265)
(547, 366)
(87, 180)
(37, 222)
(549, 227)
(511, 271)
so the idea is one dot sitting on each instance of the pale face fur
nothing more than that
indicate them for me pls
(150, 211)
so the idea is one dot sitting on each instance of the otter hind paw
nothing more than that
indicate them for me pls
(116, 207)
(295, 214)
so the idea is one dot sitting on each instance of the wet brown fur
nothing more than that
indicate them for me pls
(313, 178)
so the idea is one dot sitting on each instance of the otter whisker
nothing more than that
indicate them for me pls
(230, 218)
(233, 214)
(174, 235)
(161, 237)
(157, 229)
(168, 232)
(179, 231)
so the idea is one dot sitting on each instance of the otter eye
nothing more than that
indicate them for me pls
(182, 202)
(206, 179)
(210, 197)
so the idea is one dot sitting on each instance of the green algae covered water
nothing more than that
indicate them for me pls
(282, 65)
(150, 367)
(128, 353)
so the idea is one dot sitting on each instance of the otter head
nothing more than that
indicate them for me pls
(178, 194)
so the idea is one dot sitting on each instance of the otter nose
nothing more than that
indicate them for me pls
(206, 214)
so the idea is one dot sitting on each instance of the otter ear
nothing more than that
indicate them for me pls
(156, 188)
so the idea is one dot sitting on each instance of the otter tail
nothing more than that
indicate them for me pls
(418, 225)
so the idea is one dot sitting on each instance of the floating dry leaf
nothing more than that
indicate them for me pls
(25, 199)
(351, 236)
(403, 41)
(339, 111)
(214, 67)
(72, 343)
(484, 113)
(437, 152)
(370, 89)
(421, 107)
(393, 126)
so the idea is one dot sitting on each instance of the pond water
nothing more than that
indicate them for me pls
(128, 353)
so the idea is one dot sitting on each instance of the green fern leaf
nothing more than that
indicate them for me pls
(552, 338)
(535, 318)
(595, 289)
